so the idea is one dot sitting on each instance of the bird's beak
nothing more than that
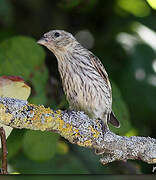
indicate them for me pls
(42, 41)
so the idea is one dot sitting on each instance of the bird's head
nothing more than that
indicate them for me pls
(57, 40)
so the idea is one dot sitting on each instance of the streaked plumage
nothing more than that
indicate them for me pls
(84, 78)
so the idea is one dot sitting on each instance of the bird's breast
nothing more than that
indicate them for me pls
(84, 90)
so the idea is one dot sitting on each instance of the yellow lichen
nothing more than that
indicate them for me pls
(87, 143)
(61, 124)
(66, 130)
(98, 124)
(38, 121)
(42, 118)
(95, 132)
(58, 112)
(49, 123)
(77, 134)
(76, 130)
(5, 117)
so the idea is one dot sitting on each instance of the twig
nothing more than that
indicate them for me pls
(115, 147)
(4, 151)
(79, 129)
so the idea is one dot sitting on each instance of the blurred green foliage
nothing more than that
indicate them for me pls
(125, 41)
(140, 9)
(121, 111)
(6, 12)
(45, 145)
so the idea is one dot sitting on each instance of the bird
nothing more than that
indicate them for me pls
(84, 78)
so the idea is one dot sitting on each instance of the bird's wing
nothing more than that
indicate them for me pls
(100, 69)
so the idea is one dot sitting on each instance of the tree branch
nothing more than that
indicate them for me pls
(79, 129)
(4, 151)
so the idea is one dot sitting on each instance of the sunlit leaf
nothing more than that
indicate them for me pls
(152, 3)
(13, 87)
(132, 132)
(138, 8)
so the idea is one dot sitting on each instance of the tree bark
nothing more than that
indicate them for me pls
(78, 129)
(4, 151)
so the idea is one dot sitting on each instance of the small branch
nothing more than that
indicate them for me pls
(79, 129)
(115, 147)
(4, 151)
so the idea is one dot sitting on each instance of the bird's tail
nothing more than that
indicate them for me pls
(113, 120)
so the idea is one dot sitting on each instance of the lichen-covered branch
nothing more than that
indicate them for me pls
(79, 129)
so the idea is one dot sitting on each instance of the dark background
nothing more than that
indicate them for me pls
(122, 34)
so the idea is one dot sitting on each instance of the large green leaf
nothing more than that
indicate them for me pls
(22, 56)
(40, 146)
(14, 142)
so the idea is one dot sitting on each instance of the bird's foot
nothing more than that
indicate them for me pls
(99, 151)
(105, 127)
(68, 111)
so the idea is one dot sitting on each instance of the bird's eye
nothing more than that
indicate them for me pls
(57, 34)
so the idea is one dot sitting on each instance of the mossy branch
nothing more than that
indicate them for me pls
(79, 129)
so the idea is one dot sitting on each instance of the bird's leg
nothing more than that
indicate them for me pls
(4, 152)
(104, 123)
(105, 127)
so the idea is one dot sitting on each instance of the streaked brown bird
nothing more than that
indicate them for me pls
(84, 78)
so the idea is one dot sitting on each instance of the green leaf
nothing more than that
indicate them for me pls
(14, 142)
(39, 80)
(22, 56)
(140, 9)
(40, 146)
